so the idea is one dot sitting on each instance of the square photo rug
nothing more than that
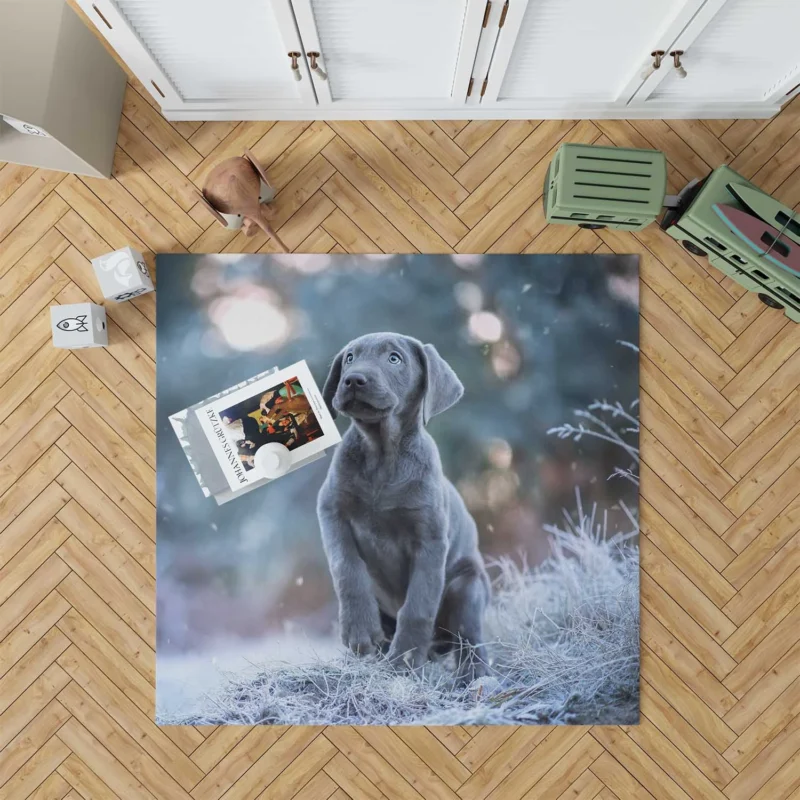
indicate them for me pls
(398, 489)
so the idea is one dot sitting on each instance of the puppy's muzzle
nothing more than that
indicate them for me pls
(355, 380)
(359, 391)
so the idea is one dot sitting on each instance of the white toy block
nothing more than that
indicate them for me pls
(122, 274)
(78, 325)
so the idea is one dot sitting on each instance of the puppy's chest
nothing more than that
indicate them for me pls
(380, 492)
(387, 544)
(384, 511)
(384, 525)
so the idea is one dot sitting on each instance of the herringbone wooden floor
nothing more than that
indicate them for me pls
(720, 505)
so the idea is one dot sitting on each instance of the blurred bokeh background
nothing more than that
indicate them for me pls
(532, 337)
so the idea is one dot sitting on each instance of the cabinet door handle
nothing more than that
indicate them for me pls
(100, 14)
(657, 55)
(676, 60)
(315, 68)
(294, 55)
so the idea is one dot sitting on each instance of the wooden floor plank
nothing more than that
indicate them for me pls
(689, 680)
(159, 131)
(366, 217)
(419, 161)
(12, 176)
(389, 203)
(154, 199)
(121, 726)
(109, 624)
(437, 143)
(683, 447)
(108, 441)
(32, 192)
(78, 449)
(684, 412)
(298, 154)
(682, 554)
(30, 267)
(209, 135)
(30, 230)
(30, 522)
(243, 136)
(30, 557)
(673, 581)
(110, 588)
(37, 768)
(93, 391)
(37, 296)
(155, 164)
(778, 425)
(30, 483)
(351, 780)
(680, 767)
(106, 772)
(538, 145)
(34, 736)
(100, 543)
(775, 696)
(686, 738)
(417, 194)
(240, 756)
(761, 589)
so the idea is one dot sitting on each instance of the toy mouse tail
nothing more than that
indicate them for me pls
(270, 231)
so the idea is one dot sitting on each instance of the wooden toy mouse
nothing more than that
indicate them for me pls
(235, 193)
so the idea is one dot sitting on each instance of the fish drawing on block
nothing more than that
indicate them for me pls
(763, 238)
(74, 324)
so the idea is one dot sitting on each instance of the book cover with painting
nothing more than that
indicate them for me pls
(284, 408)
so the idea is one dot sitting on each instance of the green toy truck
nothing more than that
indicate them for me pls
(598, 187)
(695, 224)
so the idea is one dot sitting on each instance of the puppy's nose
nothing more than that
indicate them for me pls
(355, 379)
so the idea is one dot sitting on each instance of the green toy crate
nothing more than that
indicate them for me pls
(598, 187)
(702, 232)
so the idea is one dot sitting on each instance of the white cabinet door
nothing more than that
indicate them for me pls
(569, 54)
(207, 54)
(383, 54)
(735, 51)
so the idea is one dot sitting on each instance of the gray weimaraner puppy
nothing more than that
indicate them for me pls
(401, 545)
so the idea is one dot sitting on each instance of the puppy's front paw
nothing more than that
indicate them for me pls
(410, 646)
(362, 631)
(411, 643)
(406, 655)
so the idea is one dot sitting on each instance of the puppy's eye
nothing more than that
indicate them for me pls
(394, 358)
(349, 359)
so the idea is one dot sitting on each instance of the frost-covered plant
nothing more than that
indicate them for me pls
(563, 643)
(593, 425)
(568, 629)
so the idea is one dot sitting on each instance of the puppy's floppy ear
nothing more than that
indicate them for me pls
(442, 386)
(332, 383)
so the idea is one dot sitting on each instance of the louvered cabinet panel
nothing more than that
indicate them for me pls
(581, 50)
(748, 51)
(436, 59)
(207, 53)
(385, 52)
